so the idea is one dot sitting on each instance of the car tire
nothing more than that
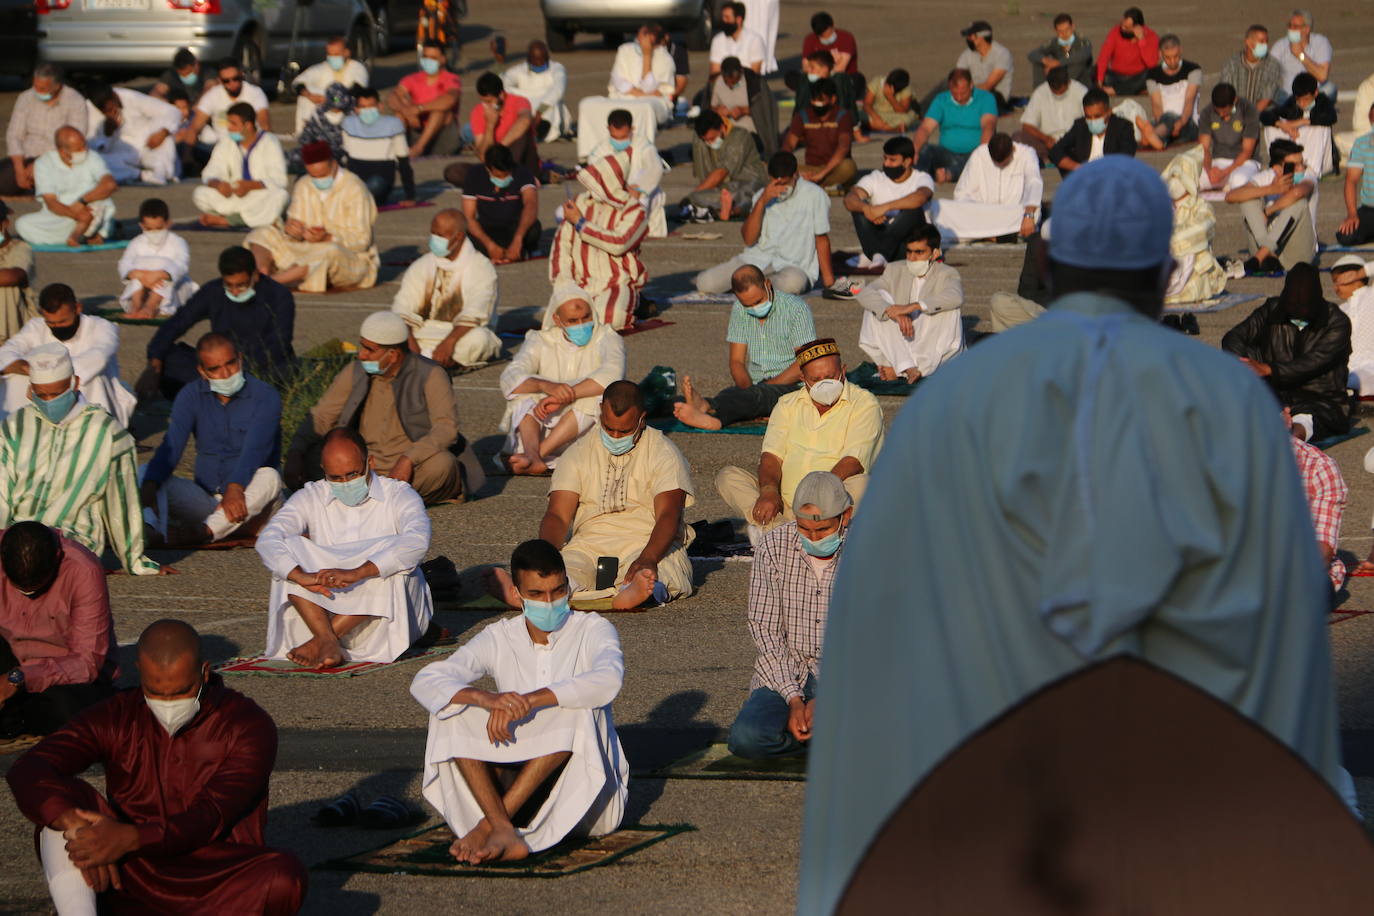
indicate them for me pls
(699, 35)
(381, 17)
(557, 37)
(248, 55)
(362, 42)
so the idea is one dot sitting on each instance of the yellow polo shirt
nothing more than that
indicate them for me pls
(806, 440)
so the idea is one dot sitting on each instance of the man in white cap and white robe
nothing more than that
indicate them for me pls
(1112, 527)
(547, 726)
(448, 297)
(70, 465)
(344, 553)
(1350, 275)
(998, 193)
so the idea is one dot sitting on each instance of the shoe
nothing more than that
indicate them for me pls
(878, 262)
(1189, 322)
(1252, 266)
(1272, 265)
(341, 812)
(646, 309)
(1172, 321)
(843, 288)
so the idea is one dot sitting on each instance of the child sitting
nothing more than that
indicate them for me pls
(155, 265)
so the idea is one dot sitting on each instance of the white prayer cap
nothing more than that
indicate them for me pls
(1112, 214)
(823, 490)
(566, 291)
(385, 328)
(49, 363)
(1349, 260)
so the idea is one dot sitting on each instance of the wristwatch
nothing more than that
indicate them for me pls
(16, 677)
(1302, 56)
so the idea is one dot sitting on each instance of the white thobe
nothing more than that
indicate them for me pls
(627, 73)
(94, 350)
(265, 162)
(762, 17)
(545, 91)
(316, 79)
(938, 328)
(1359, 308)
(583, 666)
(173, 257)
(315, 531)
(126, 151)
(550, 356)
(647, 169)
(439, 294)
(52, 176)
(990, 201)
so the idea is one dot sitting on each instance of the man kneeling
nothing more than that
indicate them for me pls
(344, 553)
(541, 751)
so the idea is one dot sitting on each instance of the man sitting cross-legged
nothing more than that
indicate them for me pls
(244, 183)
(766, 329)
(541, 751)
(75, 189)
(830, 425)
(236, 421)
(553, 386)
(344, 553)
(179, 828)
(789, 594)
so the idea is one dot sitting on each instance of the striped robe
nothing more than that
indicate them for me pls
(603, 257)
(78, 476)
(347, 212)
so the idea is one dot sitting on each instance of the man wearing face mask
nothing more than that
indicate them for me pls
(338, 66)
(448, 297)
(1068, 50)
(1307, 119)
(75, 189)
(766, 329)
(1098, 133)
(254, 311)
(68, 464)
(789, 597)
(840, 43)
(727, 167)
(502, 117)
(1228, 130)
(375, 147)
(1299, 344)
(344, 553)
(826, 132)
(736, 40)
(829, 425)
(1128, 52)
(38, 112)
(1303, 51)
(1173, 86)
(1255, 74)
(554, 384)
(133, 132)
(1053, 107)
(326, 240)
(546, 727)
(647, 167)
(57, 642)
(91, 341)
(235, 420)
(888, 203)
(912, 324)
(186, 75)
(544, 82)
(989, 61)
(1278, 218)
(622, 493)
(244, 183)
(194, 832)
(428, 99)
(500, 204)
(643, 70)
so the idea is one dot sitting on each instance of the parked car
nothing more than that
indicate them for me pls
(563, 19)
(396, 22)
(18, 31)
(142, 35)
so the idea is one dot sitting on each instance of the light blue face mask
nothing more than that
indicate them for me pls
(438, 246)
(547, 615)
(369, 115)
(242, 297)
(236, 136)
(351, 492)
(825, 547)
(616, 446)
(580, 334)
(620, 145)
(1298, 323)
(538, 68)
(371, 366)
(189, 79)
(834, 36)
(1294, 36)
(1261, 50)
(43, 96)
(502, 183)
(429, 65)
(758, 311)
(1065, 42)
(1096, 126)
(1299, 177)
(228, 387)
(813, 77)
(323, 184)
(57, 408)
(335, 61)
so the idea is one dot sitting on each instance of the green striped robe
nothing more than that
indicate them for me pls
(78, 476)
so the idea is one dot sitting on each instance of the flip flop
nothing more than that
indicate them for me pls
(341, 812)
(387, 813)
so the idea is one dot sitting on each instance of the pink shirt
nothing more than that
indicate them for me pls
(66, 634)
(510, 110)
(422, 91)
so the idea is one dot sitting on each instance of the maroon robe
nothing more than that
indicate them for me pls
(199, 800)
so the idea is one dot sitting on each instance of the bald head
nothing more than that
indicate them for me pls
(450, 225)
(69, 139)
(344, 455)
(538, 54)
(168, 643)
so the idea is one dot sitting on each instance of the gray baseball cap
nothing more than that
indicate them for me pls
(823, 490)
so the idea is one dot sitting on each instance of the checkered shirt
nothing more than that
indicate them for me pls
(1326, 496)
(787, 611)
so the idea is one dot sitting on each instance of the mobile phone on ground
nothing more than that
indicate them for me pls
(607, 569)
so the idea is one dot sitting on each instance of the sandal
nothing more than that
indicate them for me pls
(387, 813)
(341, 812)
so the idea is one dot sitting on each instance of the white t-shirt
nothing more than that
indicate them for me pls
(882, 190)
(748, 47)
(216, 103)
(1099, 143)
(1054, 114)
(321, 76)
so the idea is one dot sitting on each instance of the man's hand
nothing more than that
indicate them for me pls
(403, 469)
(811, 174)
(339, 578)
(1350, 225)
(495, 253)
(100, 841)
(1290, 128)
(309, 581)
(875, 214)
(799, 718)
(547, 408)
(512, 702)
(21, 367)
(443, 352)
(316, 234)
(767, 507)
(80, 211)
(1263, 370)
(571, 213)
(498, 726)
(1027, 226)
(155, 140)
(24, 177)
(234, 505)
(1177, 128)
(1215, 176)
(295, 229)
(101, 878)
(907, 326)
(773, 189)
(512, 252)
(223, 187)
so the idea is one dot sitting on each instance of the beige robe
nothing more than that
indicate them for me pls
(440, 294)
(347, 212)
(17, 303)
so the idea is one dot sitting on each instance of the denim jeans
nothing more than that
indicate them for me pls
(760, 729)
(889, 239)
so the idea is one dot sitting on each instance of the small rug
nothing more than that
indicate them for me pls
(227, 544)
(1219, 304)
(1330, 441)
(456, 371)
(648, 324)
(1346, 249)
(673, 425)
(82, 249)
(18, 744)
(696, 236)
(257, 666)
(1341, 615)
(866, 376)
(405, 205)
(193, 225)
(426, 853)
(716, 762)
(119, 316)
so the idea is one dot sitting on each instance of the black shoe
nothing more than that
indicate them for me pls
(1272, 265)
(1189, 323)
(1172, 321)
(646, 309)
(1252, 266)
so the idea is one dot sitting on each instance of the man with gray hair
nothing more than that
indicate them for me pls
(38, 112)
(1303, 51)
(1173, 85)
(789, 595)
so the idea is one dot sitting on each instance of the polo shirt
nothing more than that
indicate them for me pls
(498, 206)
(961, 126)
(511, 109)
(806, 440)
(1227, 135)
(787, 237)
(422, 91)
(771, 343)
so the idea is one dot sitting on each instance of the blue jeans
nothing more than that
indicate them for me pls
(933, 156)
(760, 729)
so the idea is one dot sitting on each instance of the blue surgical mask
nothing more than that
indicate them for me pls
(242, 297)
(57, 408)
(351, 492)
(438, 245)
(616, 446)
(1261, 50)
(236, 136)
(227, 386)
(371, 366)
(813, 77)
(369, 115)
(1297, 323)
(44, 96)
(759, 311)
(323, 184)
(825, 547)
(1299, 177)
(502, 183)
(540, 68)
(1096, 125)
(620, 145)
(429, 65)
(1065, 42)
(547, 615)
(580, 334)
(335, 61)
(831, 40)
(1294, 36)
(189, 79)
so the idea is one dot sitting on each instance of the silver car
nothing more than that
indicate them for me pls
(563, 19)
(142, 35)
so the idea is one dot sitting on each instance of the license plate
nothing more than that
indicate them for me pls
(116, 4)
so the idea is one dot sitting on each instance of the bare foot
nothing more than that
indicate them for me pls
(96, 239)
(214, 221)
(692, 396)
(503, 845)
(912, 375)
(74, 241)
(690, 416)
(466, 848)
(518, 464)
(942, 176)
(885, 374)
(499, 585)
(638, 591)
(317, 653)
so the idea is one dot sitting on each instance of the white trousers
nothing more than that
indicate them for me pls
(1240, 177)
(183, 503)
(480, 345)
(70, 894)
(936, 340)
(131, 159)
(173, 297)
(256, 208)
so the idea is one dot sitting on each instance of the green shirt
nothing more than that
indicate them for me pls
(772, 343)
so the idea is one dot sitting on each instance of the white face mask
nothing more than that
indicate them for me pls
(918, 268)
(827, 391)
(156, 236)
(175, 714)
(78, 157)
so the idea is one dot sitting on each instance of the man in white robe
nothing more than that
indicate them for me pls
(998, 193)
(135, 133)
(448, 297)
(337, 67)
(1093, 520)
(912, 322)
(547, 726)
(344, 553)
(544, 82)
(643, 70)
(74, 187)
(1350, 275)
(91, 342)
(554, 384)
(244, 183)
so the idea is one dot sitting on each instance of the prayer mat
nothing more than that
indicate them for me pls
(716, 762)
(733, 550)
(673, 425)
(119, 316)
(648, 324)
(194, 225)
(426, 853)
(258, 666)
(696, 236)
(1330, 441)
(81, 249)
(696, 298)
(492, 603)
(19, 743)
(1218, 304)
(866, 376)
(227, 544)
(1340, 615)
(1346, 249)
(401, 205)
(464, 370)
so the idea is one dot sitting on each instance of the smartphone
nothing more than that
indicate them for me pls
(607, 570)
(1289, 168)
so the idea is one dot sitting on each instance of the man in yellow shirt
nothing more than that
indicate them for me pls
(829, 425)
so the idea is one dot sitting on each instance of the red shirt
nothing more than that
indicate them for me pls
(510, 110)
(844, 42)
(422, 91)
(1127, 57)
(66, 634)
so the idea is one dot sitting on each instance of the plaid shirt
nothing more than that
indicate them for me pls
(1326, 496)
(787, 611)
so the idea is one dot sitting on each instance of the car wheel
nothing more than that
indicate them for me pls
(381, 17)
(361, 42)
(248, 54)
(612, 40)
(557, 37)
(699, 35)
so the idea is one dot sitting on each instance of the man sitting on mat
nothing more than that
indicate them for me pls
(541, 751)
(829, 425)
(789, 594)
(766, 329)
(344, 553)
(74, 187)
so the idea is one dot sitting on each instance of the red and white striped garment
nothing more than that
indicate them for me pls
(602, 256)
